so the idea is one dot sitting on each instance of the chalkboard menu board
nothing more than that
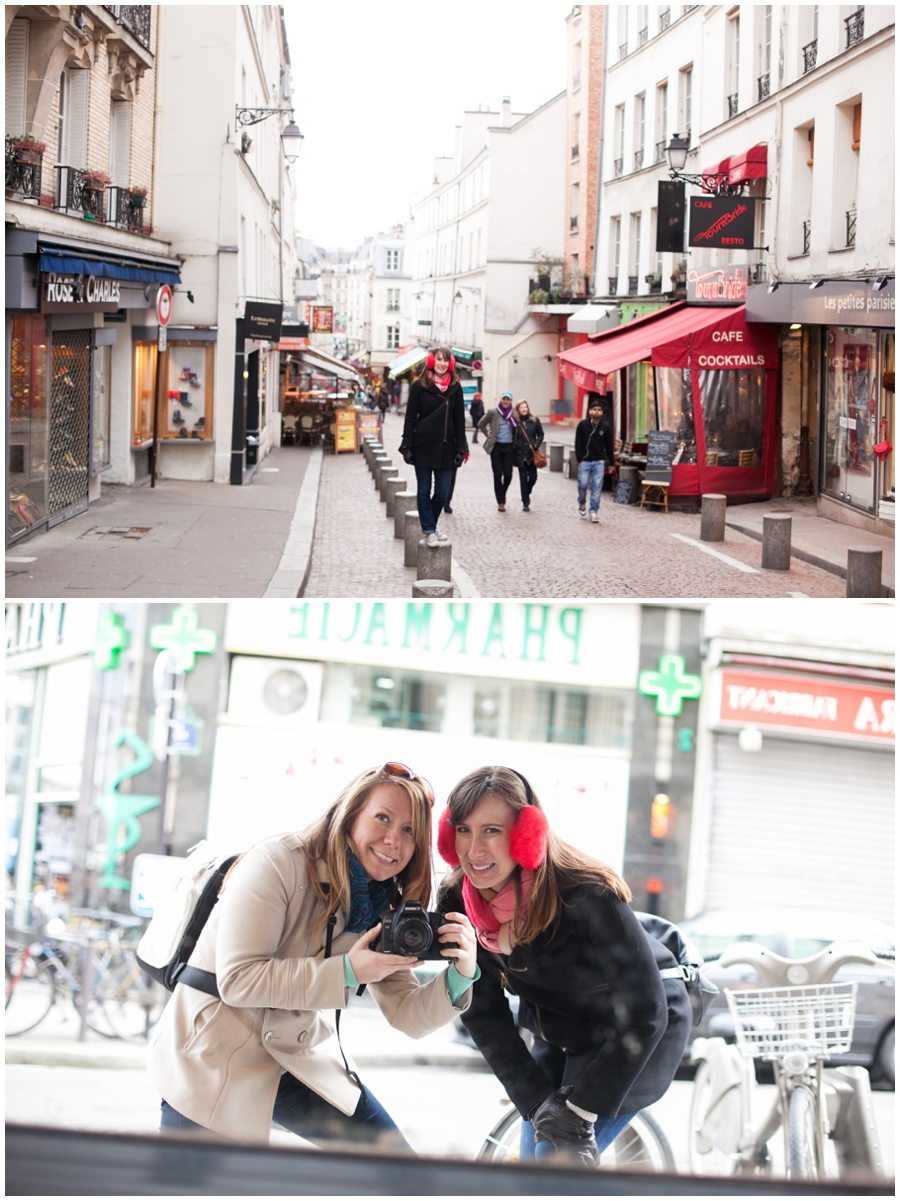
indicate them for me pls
(624, 489)
(660, 453)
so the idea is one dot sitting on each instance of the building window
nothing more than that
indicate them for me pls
(662, 120)
(685, 79)
(16, 68)
(186, 404)
(528, 712)
(576, 65)
(734, 59)
(120, 142)
(393, 337)
(393, 300)
(576, 200)
(640, 123)
(636, 219)
(615, 243)
(393, 260)
(619, 164)
(144, 391)
(764, 52)
(73, 111)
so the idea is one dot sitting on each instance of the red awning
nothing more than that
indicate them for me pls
(740, 168)
(681, 336)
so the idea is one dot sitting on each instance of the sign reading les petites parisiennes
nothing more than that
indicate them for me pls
(263, 321)
(722, 221)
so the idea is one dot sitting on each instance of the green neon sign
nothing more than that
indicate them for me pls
(671, 685)
(110, 640)
(183, 638)
(122, 809)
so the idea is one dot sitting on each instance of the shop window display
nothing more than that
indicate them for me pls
(733, 414)
(850, 414)
(28, 423)
(640, 401)
(186, 404)
(144, 391)
(675, 410)
(100, 419)
(887, 427)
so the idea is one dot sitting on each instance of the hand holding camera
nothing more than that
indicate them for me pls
(370, 967)
(411, 931)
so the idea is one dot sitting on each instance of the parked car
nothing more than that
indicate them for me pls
(796, 934)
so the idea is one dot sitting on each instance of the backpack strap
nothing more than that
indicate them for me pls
(195, 977)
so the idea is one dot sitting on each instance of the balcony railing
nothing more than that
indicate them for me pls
(733, 104)
(127, 209)
(575, 151)
(851, 227)
(573, 224)
(654, 283)
(807, 225)
(643, 35)
(661, 151)
(613, 284)
(638, 159)
(23, 172)
(809, 56)
(623, 51)
(665, 19)
(618, 165)
(632, 285)
(135, 18)
(855, 27)
(762, 86)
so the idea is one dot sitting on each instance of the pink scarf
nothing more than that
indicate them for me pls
(443, 384)
(488, 916)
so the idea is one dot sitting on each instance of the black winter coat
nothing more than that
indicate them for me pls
(435, 430)
(592, 983)
(594, 442)
(522, 456)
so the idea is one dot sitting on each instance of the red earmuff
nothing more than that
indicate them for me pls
(429, 362)
(527, 839)
(447, 839)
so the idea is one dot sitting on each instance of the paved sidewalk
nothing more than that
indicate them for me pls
(181, 538)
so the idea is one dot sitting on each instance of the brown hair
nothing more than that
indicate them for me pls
(564, 866)
(426, 379)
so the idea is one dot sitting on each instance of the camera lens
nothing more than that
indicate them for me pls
(414, 936)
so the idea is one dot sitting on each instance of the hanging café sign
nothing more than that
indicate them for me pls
(79, 293)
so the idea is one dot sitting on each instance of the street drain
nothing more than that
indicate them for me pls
(131, 531)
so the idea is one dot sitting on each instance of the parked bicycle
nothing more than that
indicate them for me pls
(642, 1145)
(795, 1023)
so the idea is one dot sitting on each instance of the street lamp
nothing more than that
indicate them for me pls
(676, 152)
(291, 141)
(710, 181)
(291, 137)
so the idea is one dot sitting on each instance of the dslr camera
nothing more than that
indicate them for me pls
(411, 930)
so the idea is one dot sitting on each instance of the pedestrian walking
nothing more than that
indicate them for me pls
(527, 438)
(606, 1004)
(287, 939)
(498, 425)
(383, 402)
(395, 392)
(594, 453)
(476, 411)
(434, 437)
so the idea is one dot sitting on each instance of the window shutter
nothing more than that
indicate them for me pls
(76, 119)
(16, 60)
(857, 126)
(120, 142)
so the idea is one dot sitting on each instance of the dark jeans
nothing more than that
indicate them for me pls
(303, 1112)
(527, 480)
(452, 486)
(431, 503)
(563, 1067)
(502, 463)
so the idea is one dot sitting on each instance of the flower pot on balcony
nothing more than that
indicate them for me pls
(138, 200)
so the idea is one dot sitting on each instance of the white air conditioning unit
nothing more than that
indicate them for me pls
(280, 693)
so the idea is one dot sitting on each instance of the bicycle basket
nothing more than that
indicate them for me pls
(772, 1021)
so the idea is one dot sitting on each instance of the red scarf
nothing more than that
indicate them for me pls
(443, 384)
(488, 916)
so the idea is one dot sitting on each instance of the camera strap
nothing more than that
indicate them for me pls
(354, 1076)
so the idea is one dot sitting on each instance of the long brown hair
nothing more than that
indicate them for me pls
(564, 866)
(426, 379)
(327, 841)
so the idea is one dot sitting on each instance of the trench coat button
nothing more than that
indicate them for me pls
(302, 1036)
(269, 1036)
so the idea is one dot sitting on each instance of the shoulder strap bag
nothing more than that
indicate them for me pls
(540, 459)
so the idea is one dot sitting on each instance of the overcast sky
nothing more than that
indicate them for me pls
(379, 87)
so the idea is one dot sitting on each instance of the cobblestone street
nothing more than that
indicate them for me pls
(550, 551)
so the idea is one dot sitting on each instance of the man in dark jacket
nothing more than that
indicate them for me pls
(594, 452)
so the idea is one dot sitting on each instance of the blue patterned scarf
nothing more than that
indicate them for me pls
(368, 898)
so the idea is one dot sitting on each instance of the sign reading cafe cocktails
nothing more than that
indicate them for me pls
(79, 293)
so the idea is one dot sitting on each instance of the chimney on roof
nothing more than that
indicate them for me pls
(506, 113)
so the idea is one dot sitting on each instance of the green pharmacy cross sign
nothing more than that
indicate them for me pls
(110, 640)
(183, 639)
(671, 685)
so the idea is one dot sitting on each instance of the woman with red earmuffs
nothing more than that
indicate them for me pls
(434, 437)
(605, 1003)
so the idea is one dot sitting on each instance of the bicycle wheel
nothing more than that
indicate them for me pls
(803, 1146)
(131, 1001)
(715, 1127)
(30, 990)
(641, 1145)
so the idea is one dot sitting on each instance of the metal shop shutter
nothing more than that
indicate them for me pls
(802, 824)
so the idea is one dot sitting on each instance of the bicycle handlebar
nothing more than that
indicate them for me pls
(778, 972)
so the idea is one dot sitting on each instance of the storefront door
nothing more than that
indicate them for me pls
(70, 396)
(850, 413)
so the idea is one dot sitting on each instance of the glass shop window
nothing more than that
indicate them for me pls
(733, 405)
(186, 406)
(525, 712)
(640, 401)
(28, 423)
(675, 410)
(144, 391)
(397, 700)
(101, 411)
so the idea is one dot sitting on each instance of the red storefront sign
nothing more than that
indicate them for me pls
(783, 702)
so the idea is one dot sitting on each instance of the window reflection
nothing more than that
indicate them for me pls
(675, 410)
(733, 410)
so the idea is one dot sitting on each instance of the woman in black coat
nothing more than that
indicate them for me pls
(434, 437)
(606, 1004)
(527, 436)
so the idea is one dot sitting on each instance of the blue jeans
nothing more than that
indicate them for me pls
(431, 504)
(591, 474)
(305, 1113)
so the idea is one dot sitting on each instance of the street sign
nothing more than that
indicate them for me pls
(722, 221)
(161, 339)
(185, 732)
(164, 304)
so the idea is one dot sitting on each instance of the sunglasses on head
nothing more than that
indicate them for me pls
(407, 773)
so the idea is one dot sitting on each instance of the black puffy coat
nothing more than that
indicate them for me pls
(435, 430)
(591, 983)
(522, 456)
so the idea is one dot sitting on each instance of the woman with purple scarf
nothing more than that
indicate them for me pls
(499, 427)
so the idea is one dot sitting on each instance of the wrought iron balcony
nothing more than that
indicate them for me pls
(807, 225)
(639, 159)
(665, 19)
(661, 151)
(855, 27)
(809, 56)
(762, 86)
(654, 283)
(127, 209)
(733, 104)
(851, 227)
(623, 51)
(632, 285)
(135, 18)
(23, 172)
(575, 151)
(618, 165)
(573, 223)
(613, 284)
(643, 35)
(69, 188)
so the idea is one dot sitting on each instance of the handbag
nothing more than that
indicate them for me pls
(883, 448)
(540, 459)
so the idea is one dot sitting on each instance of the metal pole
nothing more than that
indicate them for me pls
(87, 982)
(239, 410)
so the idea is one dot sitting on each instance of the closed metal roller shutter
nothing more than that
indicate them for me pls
(802, 824)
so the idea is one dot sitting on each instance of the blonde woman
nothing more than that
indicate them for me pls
(288, 939)
(527, 437)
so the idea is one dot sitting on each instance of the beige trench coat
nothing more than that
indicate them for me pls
(219, 1062)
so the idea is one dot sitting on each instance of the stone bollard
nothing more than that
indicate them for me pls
(412, 534)
(402, 501)
(383, 466)
(712, 517)
(776, 547)
(572, 466)
(863, 571)
(432, 588)
(369, 447)
(556, 456)
(378, 457)
(392, 487)
(433, 562)
(387, 473)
